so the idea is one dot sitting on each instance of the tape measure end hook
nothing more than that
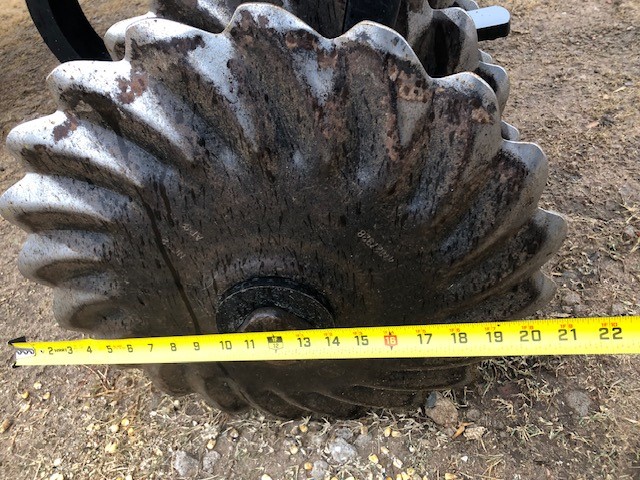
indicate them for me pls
(13, 360)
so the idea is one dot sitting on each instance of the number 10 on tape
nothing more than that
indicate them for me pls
(606, 335)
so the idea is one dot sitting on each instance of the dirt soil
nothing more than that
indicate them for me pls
(575, 70)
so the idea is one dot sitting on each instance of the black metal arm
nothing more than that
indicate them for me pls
(70, 36)
(66, 30)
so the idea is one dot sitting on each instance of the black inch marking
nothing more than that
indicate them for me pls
(563, 334)
(495, 337)
(530, 335)
(332, 341)
(460, 337)
(614, 334)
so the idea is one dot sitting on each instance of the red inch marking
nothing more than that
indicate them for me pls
(391, 340)
(609, 324)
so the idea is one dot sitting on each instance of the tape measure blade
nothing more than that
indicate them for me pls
(606, 335)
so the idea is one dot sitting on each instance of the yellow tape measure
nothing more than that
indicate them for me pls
(575, 336)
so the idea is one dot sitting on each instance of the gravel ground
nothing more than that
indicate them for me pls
(575, 90)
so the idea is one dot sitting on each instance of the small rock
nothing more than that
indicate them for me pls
(431, 400)
(209, 461)
(578, 401)
(363, 441)
(341, 451)
(449, 431)
(607, 120)
(56, 476)
(37, 385)
(316, 440)
(185, 464)
(6, 425)
(581, 310)
(443, 412)
(473, 414)
(397, 462)
(319, 469)
(234, 434)
(111, 447)
(307, 466)
(630, 233)
(618, 309)
(474, 433)
(303, 428)
(265, 477)
(571, 299)
(373, 458)
(344, 432)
